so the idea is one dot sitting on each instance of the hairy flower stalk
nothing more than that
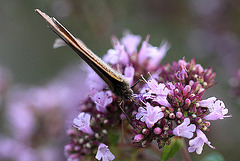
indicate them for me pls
(169, 102)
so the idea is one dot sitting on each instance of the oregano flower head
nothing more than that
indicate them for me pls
(168, 103)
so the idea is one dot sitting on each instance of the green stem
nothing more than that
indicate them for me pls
(185, 152)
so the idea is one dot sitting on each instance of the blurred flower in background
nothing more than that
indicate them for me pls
(37, 117)
(35, 98)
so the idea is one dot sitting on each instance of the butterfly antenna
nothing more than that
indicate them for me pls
(135, 101)
(139, 80)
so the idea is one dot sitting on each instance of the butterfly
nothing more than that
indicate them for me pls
(115, 80)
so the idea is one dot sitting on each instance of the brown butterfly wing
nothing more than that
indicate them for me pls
(113, 79)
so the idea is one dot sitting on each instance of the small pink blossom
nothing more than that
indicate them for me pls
(22, 120)
(199, 68)
(104, 153)
(208, 102)
(216, 108)
(198, 142)
(142, 56)
(129, 74)
(160, 90)
(156, 54)
(82, 122)
(150, 115)
(94, 82)
(151, 53)
(185, 129)
(182, 63)
(102, 99)
(182, 74)
(131, 42)
(117, 55)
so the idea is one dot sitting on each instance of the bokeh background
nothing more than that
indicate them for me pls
(208, 31)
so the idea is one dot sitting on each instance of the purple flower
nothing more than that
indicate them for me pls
(102, 99)
(153, 54)
(117, 55)
(82, 122)
(184, 129)
(150, 115)
(182, 63)
(104, 153)
(156, 54)
(160, 90)
(142, 56)
(208, 102)
(216, 108)
(129, 74)
(12, 149)
(131, 42)
(94, 81)
(182, 74)
(198, 142)
(22, 120)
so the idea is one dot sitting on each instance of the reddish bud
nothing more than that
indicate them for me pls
(157, 130)
(138, 138)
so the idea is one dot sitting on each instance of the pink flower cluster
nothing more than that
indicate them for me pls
(168, 103)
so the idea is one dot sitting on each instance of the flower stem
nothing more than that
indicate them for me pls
(185, 152)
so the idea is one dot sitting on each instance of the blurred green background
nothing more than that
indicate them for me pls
(209, 31)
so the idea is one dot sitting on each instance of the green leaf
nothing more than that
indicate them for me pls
(213, 157)
(170, 150)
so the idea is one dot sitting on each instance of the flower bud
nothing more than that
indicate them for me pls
(207, 123)
(179, 115)
(157, 130)
(204, 128)
(176, 91)
(170, 132)
(197, 105)
(81, 140)
(122, 117)
(191, 82)
(163, 108)
(138, 138)
(187, 104)
(198, 120)
(97, 136)
(199, 68)
(166, 127)
(172, 116)
(105, 122)
(77, 148)
(104, 131)
(86, 137)
(186, 89)
(163, 122)
(145, 131)
(88, 145)
(194, 115)
(193, 110)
